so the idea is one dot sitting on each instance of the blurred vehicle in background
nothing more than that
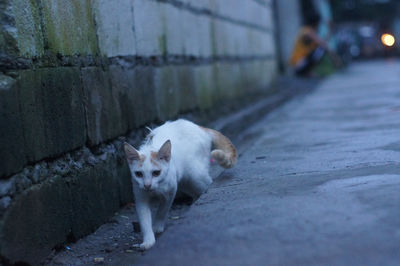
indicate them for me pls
(366, 28)
(364, 41)
(347, 44)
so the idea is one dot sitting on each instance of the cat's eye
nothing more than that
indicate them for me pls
(156, 173)
(139, 174)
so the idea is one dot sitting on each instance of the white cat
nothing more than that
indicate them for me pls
(176, 153)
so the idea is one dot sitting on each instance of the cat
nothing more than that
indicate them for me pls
(175, 154)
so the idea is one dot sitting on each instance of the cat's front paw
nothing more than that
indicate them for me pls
(145, 245)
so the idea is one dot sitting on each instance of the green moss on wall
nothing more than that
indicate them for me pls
(69, 27)
(8, 42)
(162, 43)
(29, 30)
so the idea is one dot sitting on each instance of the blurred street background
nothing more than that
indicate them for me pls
(308, 91)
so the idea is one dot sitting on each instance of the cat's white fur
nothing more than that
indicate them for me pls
(176, 153)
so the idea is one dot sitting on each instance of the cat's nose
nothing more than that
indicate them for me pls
(147, 186)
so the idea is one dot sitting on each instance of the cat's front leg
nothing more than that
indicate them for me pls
(162, 212)
(144, 212)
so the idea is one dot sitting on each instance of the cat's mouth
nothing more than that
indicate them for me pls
(151, 189)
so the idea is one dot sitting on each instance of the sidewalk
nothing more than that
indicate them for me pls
(320, 185)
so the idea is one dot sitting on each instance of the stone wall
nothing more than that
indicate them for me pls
(289, 23)
(79, 77)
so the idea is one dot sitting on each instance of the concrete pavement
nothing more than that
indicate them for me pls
(319, 185)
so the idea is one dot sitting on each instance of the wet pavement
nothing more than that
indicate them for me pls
(320, 185)
(317, 183)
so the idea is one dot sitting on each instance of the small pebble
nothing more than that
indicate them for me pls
(98, 260)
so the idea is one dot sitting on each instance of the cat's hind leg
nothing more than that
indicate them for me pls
(196, 184)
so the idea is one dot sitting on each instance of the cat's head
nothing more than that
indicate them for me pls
(150, 169)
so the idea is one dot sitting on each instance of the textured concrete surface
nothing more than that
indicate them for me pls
(196, 42)
(64, 208)
(12, 156)
(28, 28)
(51, 111)
(115, 27)
(205, 85)
(43, 116)
(135, 91)
(70, 27)
(102, 101)
(319, 185)
(149, 37)
(252, 12)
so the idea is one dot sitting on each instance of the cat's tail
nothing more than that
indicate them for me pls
(224, 152)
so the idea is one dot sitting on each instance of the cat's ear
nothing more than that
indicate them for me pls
(131, 153)
(164, 153)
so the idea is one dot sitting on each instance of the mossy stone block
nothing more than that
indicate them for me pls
(115, 27)
(186, 88)
(70, 27)
(12, 150)
(228, 81)
(29, 31)
(167, 92)
(63, 209)
(102, 106)
(136, 94)
(52, 113)
(205, 86)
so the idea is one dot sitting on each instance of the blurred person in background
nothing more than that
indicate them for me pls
(309, 49)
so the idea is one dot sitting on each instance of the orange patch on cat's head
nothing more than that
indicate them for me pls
(142, 159)
(154, 158)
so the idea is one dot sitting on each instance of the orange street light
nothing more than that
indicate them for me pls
(388, 39)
